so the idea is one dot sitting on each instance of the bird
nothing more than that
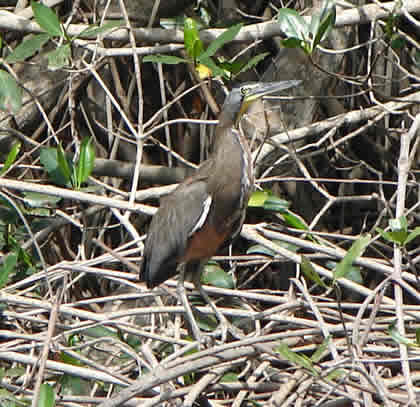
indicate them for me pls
(207, 210)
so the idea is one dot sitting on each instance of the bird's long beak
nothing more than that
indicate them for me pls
(265, 88)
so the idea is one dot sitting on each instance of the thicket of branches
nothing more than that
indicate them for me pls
(322, 285)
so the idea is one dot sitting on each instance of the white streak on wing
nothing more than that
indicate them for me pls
(203, 216)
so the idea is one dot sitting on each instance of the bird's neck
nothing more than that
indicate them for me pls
(229, 116)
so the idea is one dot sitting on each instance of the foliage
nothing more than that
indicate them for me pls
(399, 233)
(10, 93)
(202, 59)
(303, 35)
(48, 20)
(61, 169)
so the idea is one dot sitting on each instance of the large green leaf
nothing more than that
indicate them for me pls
(324, 23)
(49, 160)
(8, 267)
(64, 164)
(319, 353)
(268, 201)
(310, 273)
(47, 19)
(11, 157)
(217, 277)
(74, 385)
(356, 250)
(192, 41)
(221, 40)
(95, 30)
(39, 200)
(252, 63)
(397, 337)
(293, 24)
(413, 235)
(395, 236)
(86, 161)
(27, 48)
(46, 396)
(10, 93)
(294, 220)
(60, 57)
(296, 359)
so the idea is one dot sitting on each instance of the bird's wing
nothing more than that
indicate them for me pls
(180, 215)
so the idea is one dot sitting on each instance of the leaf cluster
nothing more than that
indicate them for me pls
(203, 58)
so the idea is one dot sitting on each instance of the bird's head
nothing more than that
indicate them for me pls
(241, 97)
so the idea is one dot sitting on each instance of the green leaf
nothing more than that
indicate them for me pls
(49, 160)
(27, 48)
(356, 250)
(86, 161)
(229, 377)
(69, 359)
(63, 163)
(46, 396)
(294, 220)
(230, 68)
(8, 214)
(257, 199)
(335, 373)
(192, 41)
(268, 201)
(296, 359)
(47, 19)
(100, 332)
(96, 30)
(74, 386)
(398, 42)
(418, 336)
(397, 236)
(10, 93)
(276, 204)
(60, 57)
(310, 273)
(324, 23)
(205, 322)
(8, 267)
(39, 200)
(164, 59)
(221, 40)
(397, 337)
(217, 277)
(293, 24)
(354, 273)
(11, 157)
(260, 249)
(412, 235)
(319, 353)
(254, 61)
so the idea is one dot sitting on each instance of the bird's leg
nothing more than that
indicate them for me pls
(225, 325)
(184, 300)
